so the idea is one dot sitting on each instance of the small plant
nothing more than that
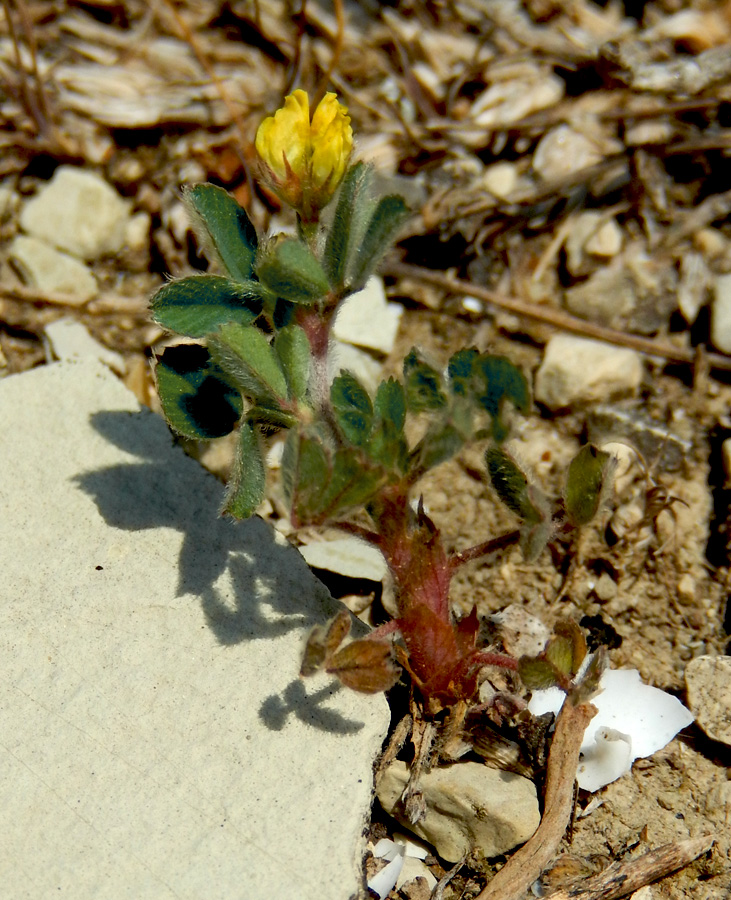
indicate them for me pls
(262, 365)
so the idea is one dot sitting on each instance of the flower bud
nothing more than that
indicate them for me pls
(306, 159)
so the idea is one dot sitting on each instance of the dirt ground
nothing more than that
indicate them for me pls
(504, 124)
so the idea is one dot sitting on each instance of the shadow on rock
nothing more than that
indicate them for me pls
(272, 589)
(294, 700)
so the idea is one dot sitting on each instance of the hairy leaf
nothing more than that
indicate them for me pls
(199, 399)
(537, 674)
(248, 356)
(498, 380)
(293, 349)
(588, 473)
(247, 483)
(423, 384)
(352, 407)
(223, 228)
(388, 217)
(340, 238)
(289, 270)
(387, 445)
(511, 485)
(199, 304)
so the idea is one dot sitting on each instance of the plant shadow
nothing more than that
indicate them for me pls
(270, 590)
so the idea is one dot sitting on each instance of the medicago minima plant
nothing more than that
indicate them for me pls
(260, 364)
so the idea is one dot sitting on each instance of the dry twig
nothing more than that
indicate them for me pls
(527, 864)
(559, 319)
(622, 878)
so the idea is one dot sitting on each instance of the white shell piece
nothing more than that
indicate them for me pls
(633, 720)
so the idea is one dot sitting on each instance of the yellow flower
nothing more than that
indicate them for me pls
(306, 160)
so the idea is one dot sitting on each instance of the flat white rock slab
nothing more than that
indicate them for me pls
(155, 739)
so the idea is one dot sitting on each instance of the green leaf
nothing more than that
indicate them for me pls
(199, 304)
(271, 417)
(388, 444)
(389, 215)
(534, 537)
(340, 238)
(588, 474)
(499, 380)
(198, 398)
(423, 384)
(249, 358)
(247, 483)
(537, 674)
(434, 448)
(312, 474)
(351, 486)
(289, 270)
(223, 227)
(511, 485)
(352, 407)
(460, 372)
(293, 349)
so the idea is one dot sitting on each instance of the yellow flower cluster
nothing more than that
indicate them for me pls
(306, 159)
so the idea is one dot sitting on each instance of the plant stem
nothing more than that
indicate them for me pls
(485, 549)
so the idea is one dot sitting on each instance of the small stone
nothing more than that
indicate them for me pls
(346, 556)
(721, 313)
(137, 232)
(500, 179)
(577, 370)
(695, 278)
(605, 588)
(77, 211)
(606, 241)
(48, 270)
(711, 242)
(608, 296)
(9, 202)
(686, 588)
(726, 456)
(470, 808)
(69, 341)
(562, 152)
(361, 364)
(708, 680)
(367, 320)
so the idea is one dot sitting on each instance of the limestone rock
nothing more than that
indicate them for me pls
(708, 679)
(69, 340)
(367, 320)
(346, 556)
(469, 808)
(577, 370)
(79, 212)
(159, 741)
(48, 270)
(563, 151)
(721, 313)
